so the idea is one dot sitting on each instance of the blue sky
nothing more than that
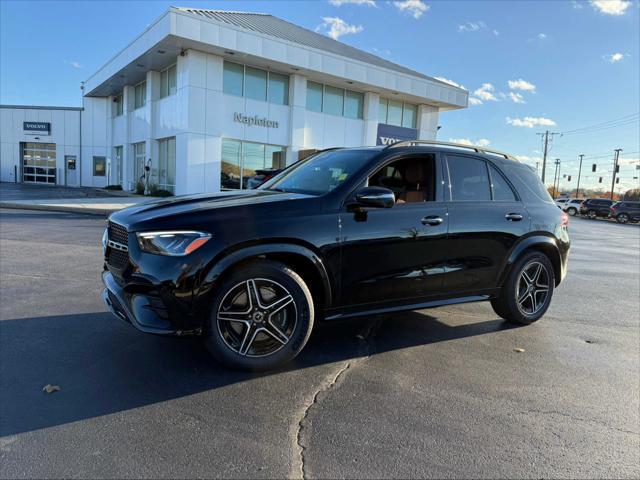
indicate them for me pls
(533, 65)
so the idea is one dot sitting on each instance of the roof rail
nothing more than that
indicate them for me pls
(475, 148)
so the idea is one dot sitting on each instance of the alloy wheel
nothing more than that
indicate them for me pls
(257, 317)
(572, 211)
(592, 214)
(533, 288)
(623, 218)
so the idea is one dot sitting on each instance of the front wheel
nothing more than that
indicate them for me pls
(572, 211)
(592, 214)
(622, 218)
(526, 294)
(261, 317)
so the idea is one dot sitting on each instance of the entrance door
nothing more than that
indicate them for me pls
(70, 165)
(116, 167)
(39, 163)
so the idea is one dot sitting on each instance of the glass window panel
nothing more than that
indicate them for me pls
(252, 159)
(333, 100)
(278, 89)
(353, 104)
(172, 80)
(502, 191)
(230, 168)
(382, 112)
(232, 78)
(314, 97)
(255, 84)
(164, 84)
(409, 116)
(469, 179)
(99, 166)
(394, 114)
(140, 94)
(269, 161)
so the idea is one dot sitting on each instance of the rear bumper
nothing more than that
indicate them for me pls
(145, 312)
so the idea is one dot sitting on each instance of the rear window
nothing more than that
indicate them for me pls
(527, 182)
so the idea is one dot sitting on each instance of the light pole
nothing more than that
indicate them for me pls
(579, 172)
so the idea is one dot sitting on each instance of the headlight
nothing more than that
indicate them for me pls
(175, 244)
(105, 239)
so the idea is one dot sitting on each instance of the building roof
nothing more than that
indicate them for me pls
(278, 28)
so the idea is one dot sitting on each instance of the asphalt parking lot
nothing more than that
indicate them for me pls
(434, 393)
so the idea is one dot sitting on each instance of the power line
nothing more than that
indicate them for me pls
(616, 120)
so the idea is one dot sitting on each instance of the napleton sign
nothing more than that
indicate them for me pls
(254, 121)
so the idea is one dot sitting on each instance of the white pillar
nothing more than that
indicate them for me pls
(370, 115)
(128, 180)
(298, 106)
(427, 122)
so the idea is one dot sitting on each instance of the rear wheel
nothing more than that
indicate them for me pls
(526, 294)
(622, 218)
(261, 317)
(592, 214)
(572, 211)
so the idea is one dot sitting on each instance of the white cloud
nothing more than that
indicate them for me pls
(482, 142)
(523, 85)
(611, 7)
(613, 58)
(577, 5)
(526, 158)
(496, 32)
(472, 26)
(485, 92)
(542, 36)
(337, 3)
(516, 97)
(335, 27)
(450, 82)
(73, 63)
(530, 122)
(474, 101)
(415, 8)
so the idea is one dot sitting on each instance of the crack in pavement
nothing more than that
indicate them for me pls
(299, 469)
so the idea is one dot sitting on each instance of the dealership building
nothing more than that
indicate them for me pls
(203, 98)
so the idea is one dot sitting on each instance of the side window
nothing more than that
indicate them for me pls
(501, 189)
(412, 180)
(468, 179)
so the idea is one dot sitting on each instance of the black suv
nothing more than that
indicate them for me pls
(344, 233)
(596, 207)
(625, 211)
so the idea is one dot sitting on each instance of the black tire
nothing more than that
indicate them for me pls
(252, 322)
(592, 214)
(507, 305)
(572, 211)
(622, 218)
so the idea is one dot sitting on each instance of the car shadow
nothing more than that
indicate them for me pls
(104, 366)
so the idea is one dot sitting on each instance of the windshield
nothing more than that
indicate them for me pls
(321, 173)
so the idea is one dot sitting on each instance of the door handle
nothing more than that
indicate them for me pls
(513, 217)
(432, 220)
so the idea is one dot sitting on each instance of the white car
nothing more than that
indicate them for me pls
(560, 202)
(572, 205)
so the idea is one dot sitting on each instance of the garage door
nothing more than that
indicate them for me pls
(39, 162)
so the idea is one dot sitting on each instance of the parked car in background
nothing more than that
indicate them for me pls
(625, 211)
(561, 202)
(344, 233)
(596, 207)
(572, 206)
(261, 176)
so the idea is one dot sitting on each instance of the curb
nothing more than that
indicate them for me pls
(103, 212)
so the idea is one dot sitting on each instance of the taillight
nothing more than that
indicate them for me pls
(564, 219)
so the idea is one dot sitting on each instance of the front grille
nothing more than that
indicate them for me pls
(117, 259)
(118, 233)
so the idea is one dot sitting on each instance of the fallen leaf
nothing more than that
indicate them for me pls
(519, 350)
(48, 388)
(360, 336)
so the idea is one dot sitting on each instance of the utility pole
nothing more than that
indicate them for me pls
(579, 172)
(546, 149)
(556, 178)
(615, 168)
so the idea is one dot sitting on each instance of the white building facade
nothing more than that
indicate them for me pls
(202, 99)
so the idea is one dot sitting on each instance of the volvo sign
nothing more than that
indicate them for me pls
(390, 134)
(35, 128)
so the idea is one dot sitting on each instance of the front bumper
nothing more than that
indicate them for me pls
(144, 311)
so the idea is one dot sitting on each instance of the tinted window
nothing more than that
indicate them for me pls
(501, 189)
(314, 97)
(321, 173)
(527, 182)
(333, 100)
(353, 103)
(232, 78)
(278, 88)
(468, 179)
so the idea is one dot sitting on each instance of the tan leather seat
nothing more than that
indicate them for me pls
(415, 179)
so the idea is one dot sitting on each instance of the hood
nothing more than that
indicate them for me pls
(186, 204)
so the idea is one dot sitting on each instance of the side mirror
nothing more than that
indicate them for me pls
(375, 197)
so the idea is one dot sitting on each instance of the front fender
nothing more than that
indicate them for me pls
(245, 253)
